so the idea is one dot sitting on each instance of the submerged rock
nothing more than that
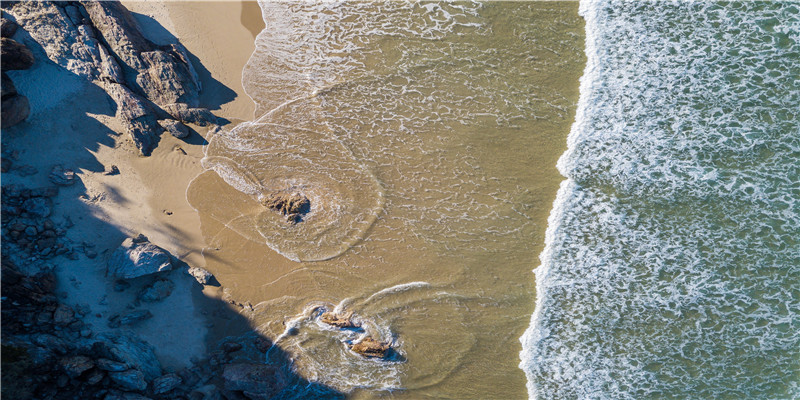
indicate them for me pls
(136, 257)
(369, 347)
(339, 321)
(290, 204)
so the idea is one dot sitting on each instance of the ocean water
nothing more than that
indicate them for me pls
(426, 137)
(672, 259)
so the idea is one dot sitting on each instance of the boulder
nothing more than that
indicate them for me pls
(131, 379)
(202, 276)
(62, 176)
(37, 207)
(337, 320)
(7, 27)
(190, 115)
(175, 128)
(168, 76)
(15, 109)
(74, 366)
(111, 365)
(130, 350)
(133, 259)
(156, 291)
(254, 380)
(9, 90)
(166, 383)
(14, 55)
(369, 347)
(64, 315)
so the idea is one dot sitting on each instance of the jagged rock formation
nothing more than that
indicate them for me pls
(102, 42)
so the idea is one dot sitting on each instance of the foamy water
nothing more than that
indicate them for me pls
(672, 258)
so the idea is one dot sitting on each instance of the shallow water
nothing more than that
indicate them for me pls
(672, 261)
(425, 136)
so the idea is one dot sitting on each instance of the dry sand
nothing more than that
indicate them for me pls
(75, 120)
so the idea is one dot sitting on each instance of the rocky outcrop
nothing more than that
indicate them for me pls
(339, 320)
(138, 257)
(102, 42)
(174, 128)
(369, 347)
(291, 204)
(14, 55)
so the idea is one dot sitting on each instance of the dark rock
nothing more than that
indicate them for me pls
(15, 109)
(50, 342)
(175, 128)
(189, 115)
(255, 379)
(230, 347)
(337, 320)
(114, 170)
(166, 383)
(129, 318)
(128, 349)
(14, 55)
(8, 28)
(202, 276)
(131, 379)
(74, 366)
(132, 260)
(95, 376)
(62, 176)
(369, 347)
(110, 365)
(64, 315)
(121, 285)
(37, 207)
(156, 291)
(8, 88)
(125, 396)
(289, 203)
(48, 191)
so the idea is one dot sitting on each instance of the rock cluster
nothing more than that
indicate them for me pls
(367, 346)
(291, 204)
(15, 56)
(102, 42)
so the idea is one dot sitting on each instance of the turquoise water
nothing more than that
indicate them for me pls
(672, 259)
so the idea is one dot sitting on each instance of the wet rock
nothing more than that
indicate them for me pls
(135, 259)
(166, 383)
(62, 176)
(202, 276)
(130, 318)
(291, 204)
(156, 291)
(15, 109)
(337, 320)
(15, 56)
(175, 128)
(74, 366)
(369, 347)
(7, 28)
(129, 380)
(254, 380)
(37, 207)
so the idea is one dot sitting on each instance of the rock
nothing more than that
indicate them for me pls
(156, 291)
(129, 318)
(64, 315)
(291, 204)
(129, 380)
(202, 276)
(230, 347)
(47, 191)
(14, 55)
(339, 321)
(166, 383)
(50, 342)
(62, 176)
(121, 285)
(110, 365)
(128, 349)
(114, 170)
(369, 347)
(7, 28)
(95, 376)
(8, 88)
(188, 115)
(132, 260)
(37, 207)
(254, 379)
(15, 109)
(136, 117)
(175, 128)
(74, 366)
(168, 76)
